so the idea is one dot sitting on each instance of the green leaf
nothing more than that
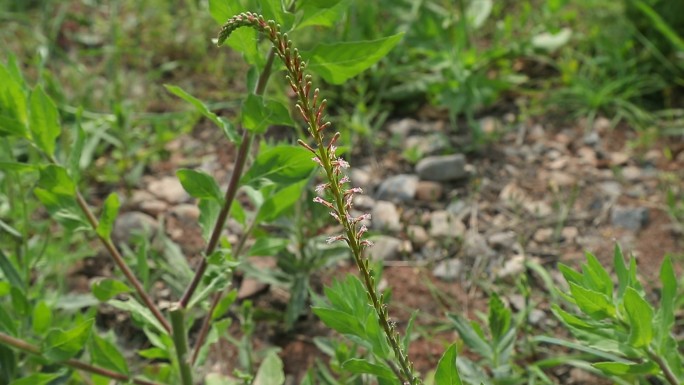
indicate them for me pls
(273, 10)
(279, 202)
(76, 152)
(282, 165)
(19, 301)
(42, 318)
(139, 313)
(471, 338)
(668, 296)
(338, 62)
(376, 336)
(44, 121)
(446, 372)
(8, 362)
(322, 15)
(56, 180)
(640, 318)
(7, 323)
(108, 288)
(478, 12)
(499, 318)
(105, 354)
(18, 167)
(222, 10)
(10, 126)
(660, 24)
(339, 321)
(570, 275)
(109, 213)
(12, 98)
(360, 366)
(621, 271)
(199, 184)
(223, 305)
(10, 272)
(596, 277)
(37, 379)
(622, 368)
(202, 108)
(209, 211)
(266, 246)
(271, 371)
(60, 345)
(596, 305)
(257, 116)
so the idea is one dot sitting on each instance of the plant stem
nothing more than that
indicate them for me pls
(231, 190)
(121, 264)
(72, 363)
(180, 341)
(669, 375)
(230, 195)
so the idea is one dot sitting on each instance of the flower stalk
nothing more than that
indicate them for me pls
(335, 193)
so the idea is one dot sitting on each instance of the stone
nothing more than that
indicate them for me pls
(442, 168)
(385, 216)
(361, 178)
(428, 191)
(602, 124)
(458, 208)
(133, 223)
(251, 286)
(401, 188)
(154, 207)
(428, 144)
(475, 246)
(444, 225)
(569, 234)
(611, 188)
(404, 127)
(631, 173)
(169, 189)
(536, 316)
(592, 139)
(448, 270)
(417, 235)
(363, 202)
(630, 218)
(512, 267)
(385, 248)
(618, 158)
(186, 212)
(502, 240)
(543, 235)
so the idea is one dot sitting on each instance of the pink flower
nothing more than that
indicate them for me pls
(335, 239)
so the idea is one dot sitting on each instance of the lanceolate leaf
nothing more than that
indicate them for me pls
(322, 15)
(108, 288)
(105, 354)
(60, 345)
(640, 316)
(446, 373)
(281, 165)
(44, 121)
(204, 110)
(340, 61)
(270, 372)
(358, 365)
(199, 184)
(12, 98)
(668, 280)
(622, 368)
(594, 304)
(109, 213)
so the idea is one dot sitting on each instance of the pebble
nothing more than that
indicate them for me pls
(448, 270)
(186, 212)
(442, 168)
(569, 234)
(251, 286)
(630, 218)
(361, 178)
(169, 189)
(503, 240)
(429, 144)
(444, 225)
(428, 191)
(385, 248)
(385, 216)
(536, 316)
(418, 235)
(475, 246)
(592, 139)
(154, 207)
(131, 223)
(404, 127)
(543, 235)
(400, 188)
(513, 267)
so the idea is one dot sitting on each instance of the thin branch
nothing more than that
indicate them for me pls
(72, 363)
(232, 188)
(669, 375)
(121, 264)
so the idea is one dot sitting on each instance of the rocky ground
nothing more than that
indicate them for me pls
(450, 226)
